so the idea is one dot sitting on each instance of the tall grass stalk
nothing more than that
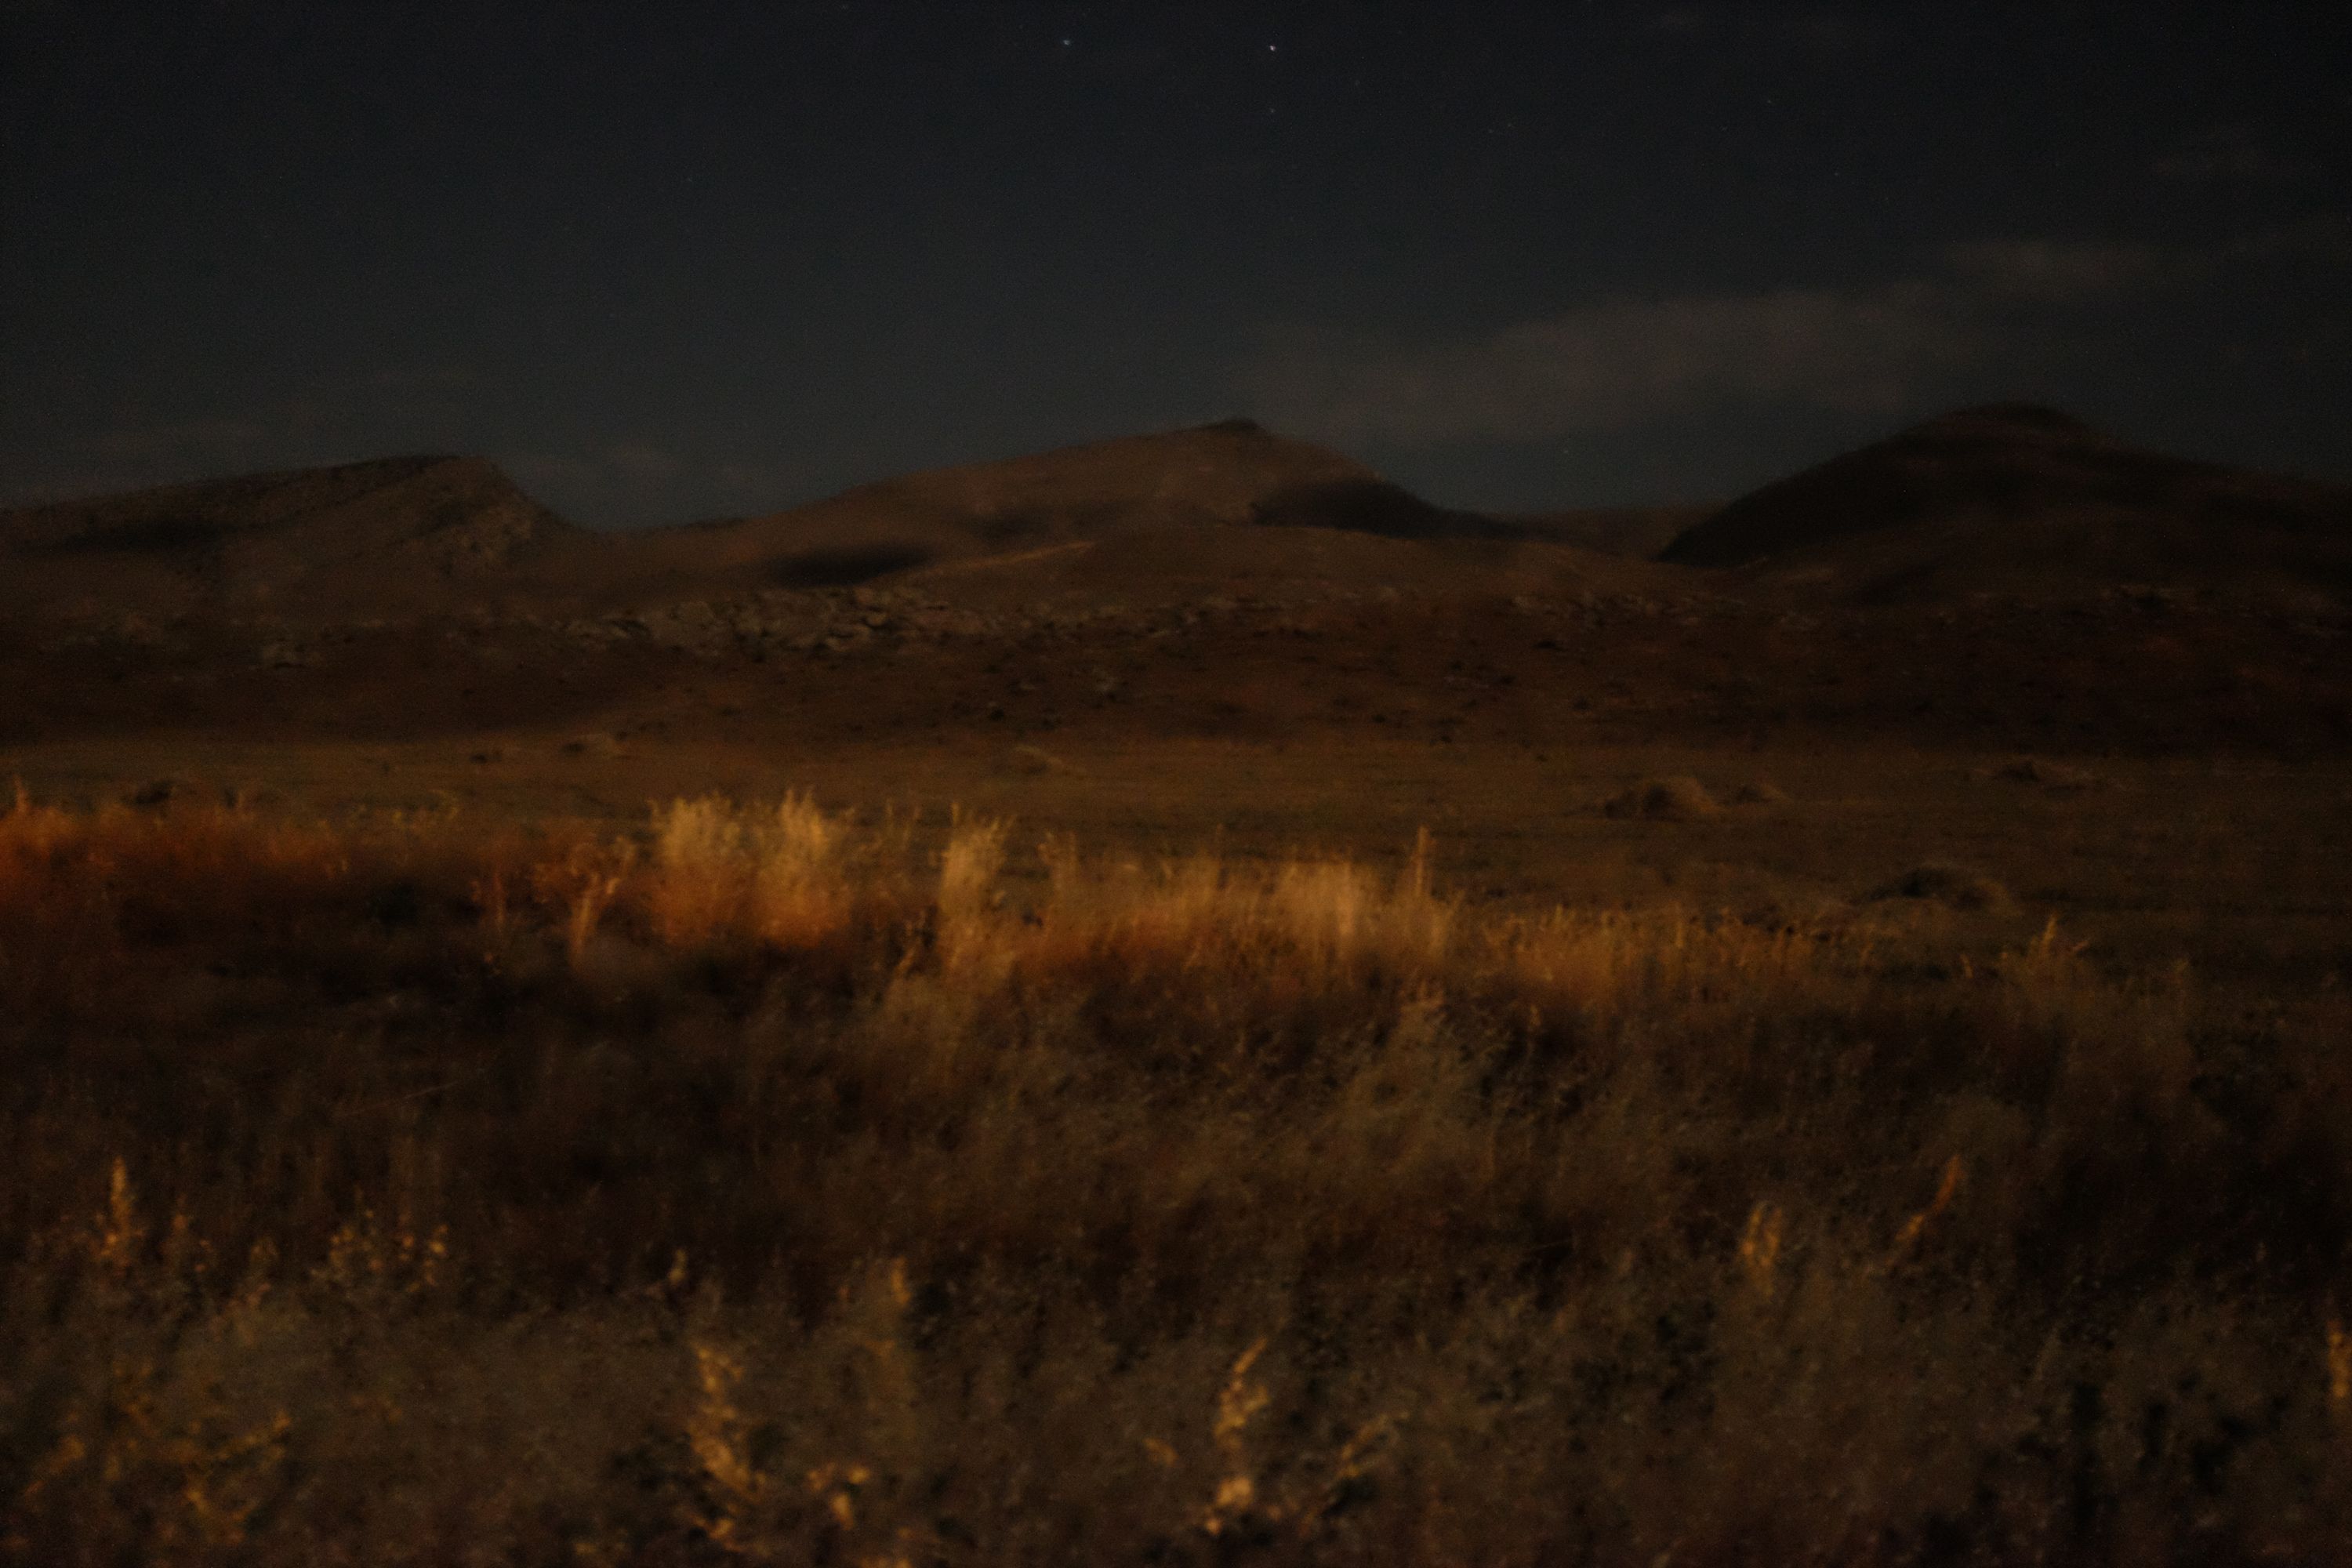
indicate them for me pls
(764, 1186)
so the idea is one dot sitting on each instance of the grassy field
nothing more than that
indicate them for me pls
(2235, 863)
(1171, 1157)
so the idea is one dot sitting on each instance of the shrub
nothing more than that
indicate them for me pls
(1956, 886)
(1673, 799)
(856, 1202)
(2059, 778)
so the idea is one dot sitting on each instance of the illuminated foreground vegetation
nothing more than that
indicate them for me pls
(769, 1188)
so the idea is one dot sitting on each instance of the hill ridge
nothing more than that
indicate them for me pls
(1226, 473)
(343, 534)
(2015, 498)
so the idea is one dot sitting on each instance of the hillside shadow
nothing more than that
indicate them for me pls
(1375, 506)
(845, 568)
(158, 536)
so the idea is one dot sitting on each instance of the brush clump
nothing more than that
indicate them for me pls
(1941, 882)
(780, 1184)
(2058, 778)
(1678, 798)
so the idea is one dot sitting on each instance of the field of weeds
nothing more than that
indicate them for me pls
(767, 1185)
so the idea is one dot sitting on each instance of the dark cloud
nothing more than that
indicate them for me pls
(723, 256)
(2232, 156)
(2058, 271)
(1620, 363)
(2322, 237)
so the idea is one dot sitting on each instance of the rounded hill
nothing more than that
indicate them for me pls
(1232, 473)
(395, 532)
(2015, 499)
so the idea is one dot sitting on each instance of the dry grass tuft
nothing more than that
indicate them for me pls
(160, 792)
(765, 1186)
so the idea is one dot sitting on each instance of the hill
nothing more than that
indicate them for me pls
(395, 535)
(1218, 508)
(1276, 562)
(1232, 473)
(2018, 501)
(1215, 581)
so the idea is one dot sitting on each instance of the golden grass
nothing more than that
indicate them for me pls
(764, 1186)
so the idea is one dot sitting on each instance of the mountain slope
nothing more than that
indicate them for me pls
(409, 535)
(2017, 499)
(1272, 562)
(394, 534)
(1230, 473)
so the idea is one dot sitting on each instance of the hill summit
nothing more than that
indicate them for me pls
(1233, 472)
(363, 534)
(2013, 498)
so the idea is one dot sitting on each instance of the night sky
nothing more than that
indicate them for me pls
(678, 260)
